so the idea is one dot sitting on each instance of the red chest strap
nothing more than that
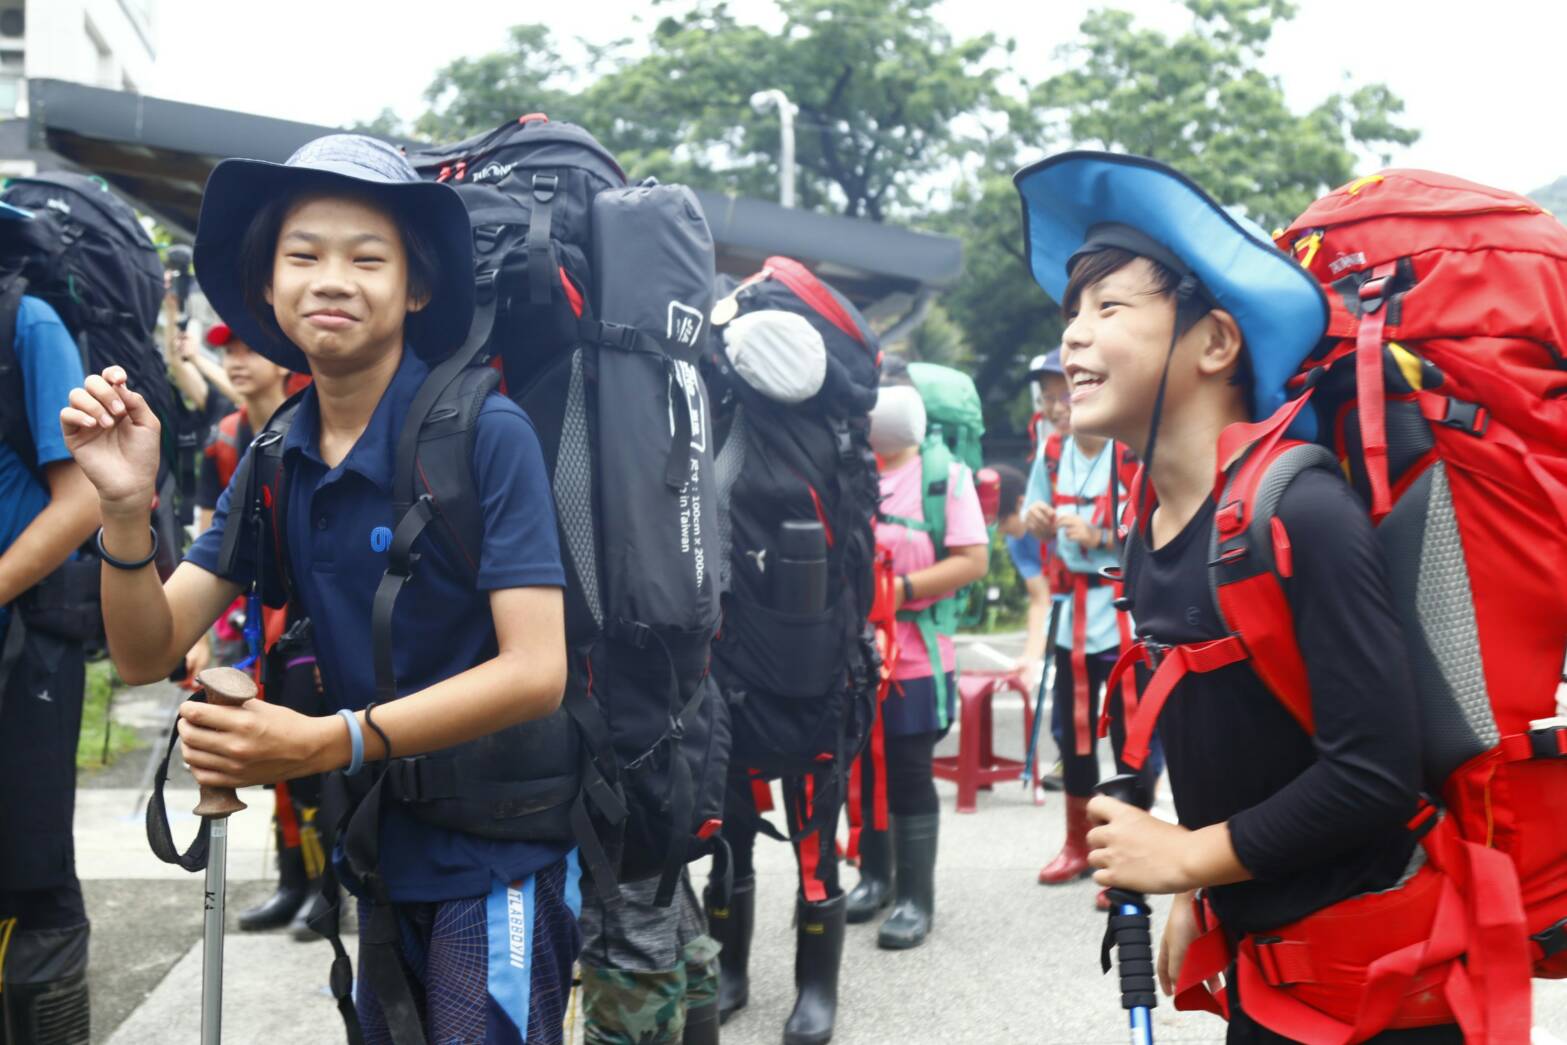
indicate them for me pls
(1174, 664)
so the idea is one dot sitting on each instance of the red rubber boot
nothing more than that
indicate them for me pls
(1072, 862)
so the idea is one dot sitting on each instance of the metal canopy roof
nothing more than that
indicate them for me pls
(159, 153)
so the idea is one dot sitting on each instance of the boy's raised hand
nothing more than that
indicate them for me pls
(115, 438)
(1040, 518)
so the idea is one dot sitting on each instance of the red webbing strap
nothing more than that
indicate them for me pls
(1129, 655)
(283, 809)
(1083, 742)
(1260, 614)
(1207, 959)
(879, 810)
(1123, 622)
(1499, 962)
(850, 850)
(761, 794)
(1370, 388)
(1519, 747)
(810, 848)
(1179, 661)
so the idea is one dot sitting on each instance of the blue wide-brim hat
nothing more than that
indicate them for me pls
(238, 189)
(1280, 309)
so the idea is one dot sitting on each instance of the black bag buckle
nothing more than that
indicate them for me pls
(1553, 940)
(1466, 417)
(1548, 743)
(544, 186)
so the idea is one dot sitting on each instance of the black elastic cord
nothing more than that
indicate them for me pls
(1185, 295)
(386, 758)
(122, 564)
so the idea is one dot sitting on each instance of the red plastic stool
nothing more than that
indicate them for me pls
(977, 766)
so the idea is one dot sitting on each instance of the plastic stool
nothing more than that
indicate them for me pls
(977, 766)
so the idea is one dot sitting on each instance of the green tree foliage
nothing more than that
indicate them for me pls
(899, 121)
(1200, 101)
(881, 88)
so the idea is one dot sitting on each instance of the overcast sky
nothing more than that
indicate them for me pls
(1483, 84)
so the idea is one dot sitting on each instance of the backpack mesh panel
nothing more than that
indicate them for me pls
(1445, 606)
(574, 489)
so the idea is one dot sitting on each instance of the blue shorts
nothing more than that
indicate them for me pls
(494, 969)
(910, 707)
(1025, 555)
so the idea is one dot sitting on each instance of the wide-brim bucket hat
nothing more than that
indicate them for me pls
(238, 189)
(1280, 309)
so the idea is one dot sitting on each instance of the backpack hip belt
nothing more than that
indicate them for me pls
(1444, 950)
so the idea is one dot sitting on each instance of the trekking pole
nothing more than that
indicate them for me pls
(1039, 701)
(1131, 933)
(227, 687)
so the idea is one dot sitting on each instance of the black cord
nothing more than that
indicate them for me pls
(385, 741)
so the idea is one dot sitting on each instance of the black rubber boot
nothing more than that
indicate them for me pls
(914, 841)
(300, 926)
(731, 926)
(701, 1025)
(818, 954)
(45, 999)
(874, 891)
(293, 887)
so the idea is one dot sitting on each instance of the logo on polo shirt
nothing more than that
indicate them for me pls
(380, 538)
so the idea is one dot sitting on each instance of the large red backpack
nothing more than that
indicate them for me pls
(1440, 392)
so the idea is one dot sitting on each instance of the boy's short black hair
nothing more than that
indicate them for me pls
(1013, 486)
(1101, 263)
(258, 248)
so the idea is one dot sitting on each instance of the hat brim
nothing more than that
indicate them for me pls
(237, 190)
(1281, 311)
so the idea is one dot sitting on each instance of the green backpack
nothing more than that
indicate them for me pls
(955, 423)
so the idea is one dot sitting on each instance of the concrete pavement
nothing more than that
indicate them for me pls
(1009, 961)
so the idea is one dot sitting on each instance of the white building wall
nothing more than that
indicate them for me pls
(101, 43)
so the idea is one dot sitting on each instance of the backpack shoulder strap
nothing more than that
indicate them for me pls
(15, 430)
(258, 485)
(1251, 558)
(936, 473)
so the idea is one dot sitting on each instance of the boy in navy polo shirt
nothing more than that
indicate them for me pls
(47, 509)
(343, 263)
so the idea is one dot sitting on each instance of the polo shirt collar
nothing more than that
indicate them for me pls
(375, 454)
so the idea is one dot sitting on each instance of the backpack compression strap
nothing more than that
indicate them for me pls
(14, 427)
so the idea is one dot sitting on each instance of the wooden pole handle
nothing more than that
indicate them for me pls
(228, 687)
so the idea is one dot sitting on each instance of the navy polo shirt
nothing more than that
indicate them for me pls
(50, 367)
(338, 521)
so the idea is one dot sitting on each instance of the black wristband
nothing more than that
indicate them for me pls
(908, 588)
(121, 564)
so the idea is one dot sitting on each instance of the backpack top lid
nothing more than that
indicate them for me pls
(952, 409)
(854, 353)
(1280, 309)
(501, 155)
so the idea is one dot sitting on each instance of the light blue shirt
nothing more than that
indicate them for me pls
(1085, 478)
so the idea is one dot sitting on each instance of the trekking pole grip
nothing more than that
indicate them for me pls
(227, 687)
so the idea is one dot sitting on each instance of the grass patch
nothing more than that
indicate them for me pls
(90, 745)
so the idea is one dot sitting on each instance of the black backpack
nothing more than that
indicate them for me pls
(84, 252)
(801, 688)
(600, 295)
(592, 311)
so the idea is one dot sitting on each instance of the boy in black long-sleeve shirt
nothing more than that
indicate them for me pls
(1183, 321)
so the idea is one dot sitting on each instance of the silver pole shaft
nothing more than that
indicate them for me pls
(212, 935)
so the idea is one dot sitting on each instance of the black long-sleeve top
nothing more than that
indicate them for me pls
(1314, 819)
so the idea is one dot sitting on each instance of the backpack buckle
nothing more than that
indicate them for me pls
(1553, 940)
(544, 186)
(1548, 743)
(1231, 518)
(1471, 418)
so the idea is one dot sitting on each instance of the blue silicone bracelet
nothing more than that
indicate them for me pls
(356, 737)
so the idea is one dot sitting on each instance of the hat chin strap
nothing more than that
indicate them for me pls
(1186, 315)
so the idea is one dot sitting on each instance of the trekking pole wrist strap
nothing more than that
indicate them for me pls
(356, 741)
(124, 564)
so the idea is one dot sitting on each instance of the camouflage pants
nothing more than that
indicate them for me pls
(643, 966)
